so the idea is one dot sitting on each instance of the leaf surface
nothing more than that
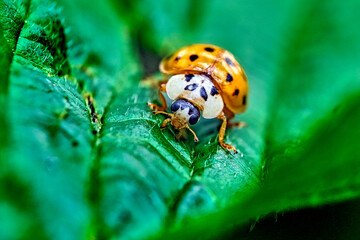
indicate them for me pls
(89, 159)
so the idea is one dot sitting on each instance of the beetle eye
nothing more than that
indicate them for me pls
(175, 106)
(193, 119)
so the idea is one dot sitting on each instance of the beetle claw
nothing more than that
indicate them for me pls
(228, 147)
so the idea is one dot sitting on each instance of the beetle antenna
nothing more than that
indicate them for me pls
(195, 137)
(165, 113)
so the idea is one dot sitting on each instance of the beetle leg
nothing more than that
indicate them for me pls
(222, 133)
(162, 88)
(230, 115)
(163, 125)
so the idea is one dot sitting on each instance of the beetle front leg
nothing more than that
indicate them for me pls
(155, 107)
(222, 133)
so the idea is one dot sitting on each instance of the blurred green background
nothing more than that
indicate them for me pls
(83, 157)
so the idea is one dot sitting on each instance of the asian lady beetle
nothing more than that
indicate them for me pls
(204, 78)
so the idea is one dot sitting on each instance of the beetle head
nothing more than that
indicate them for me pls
(184, 112)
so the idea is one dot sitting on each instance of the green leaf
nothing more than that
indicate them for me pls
(311, 139)
(88, 158)
(52, 125)
(314, 174)
(100, 50)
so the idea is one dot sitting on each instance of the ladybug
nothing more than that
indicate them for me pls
(205, 78)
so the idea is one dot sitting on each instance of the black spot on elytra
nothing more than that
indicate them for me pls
(193, 57)
(229, 77)
(213, 91)
(209, 49)
(203, 93)
(244, 100)
(188, 77)
(236, 92)
(228, 61)
(191, 87)
(177, 58)
(94, 132)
